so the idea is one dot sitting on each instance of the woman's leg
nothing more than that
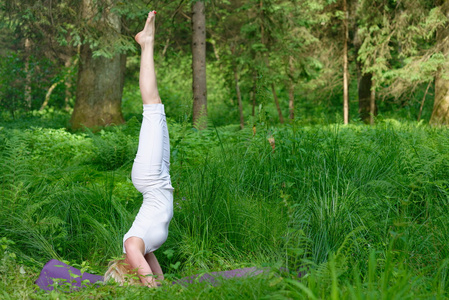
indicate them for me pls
(135, 247)
(147, 79)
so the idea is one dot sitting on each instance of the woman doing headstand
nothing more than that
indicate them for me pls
(150, 175)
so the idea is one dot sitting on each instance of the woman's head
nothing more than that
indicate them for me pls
(120, 272)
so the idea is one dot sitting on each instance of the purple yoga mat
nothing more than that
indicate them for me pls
(56, 270)
(214, 278)
(65, 275)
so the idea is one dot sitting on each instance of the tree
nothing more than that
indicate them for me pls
(405, 48)
(253, 32)
(440, 113)
(100, 78)
(235, 70)
(239, 97)
(368, 14)
(297, 49)
(266, 40)
(199, 85)
(328, 74)
(33, 31)
(345, 64)
(93, 27)
(279, 47)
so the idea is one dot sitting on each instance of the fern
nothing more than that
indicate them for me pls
(113, 149)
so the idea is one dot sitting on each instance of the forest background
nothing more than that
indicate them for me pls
(263, 82)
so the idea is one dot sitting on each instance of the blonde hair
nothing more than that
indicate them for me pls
(119, 271)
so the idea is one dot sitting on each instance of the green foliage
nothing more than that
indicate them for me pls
(113, 149)
(24, 82)
(362, 211)
(292, 44)
(175, 90)
(11, 83)
(399, 44)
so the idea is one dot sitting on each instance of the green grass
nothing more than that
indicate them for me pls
(363, 210)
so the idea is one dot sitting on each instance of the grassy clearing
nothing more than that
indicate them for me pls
(363, 209)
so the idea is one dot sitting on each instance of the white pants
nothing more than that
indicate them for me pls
(150, 176)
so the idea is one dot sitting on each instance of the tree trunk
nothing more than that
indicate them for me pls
(291, 101)
(365, 84)
(254, 94)
(199, 85)
(239, 98)
(276, 101)
(364, 91)
(423, 100)
(99, 84)
(373, 106)
(440, 113)
(345, 66)
(27, 74)
(291, 90)
(47, 96)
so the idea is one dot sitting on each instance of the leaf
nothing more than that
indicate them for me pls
(176, 265)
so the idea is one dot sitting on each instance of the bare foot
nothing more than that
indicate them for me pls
(147, 34)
